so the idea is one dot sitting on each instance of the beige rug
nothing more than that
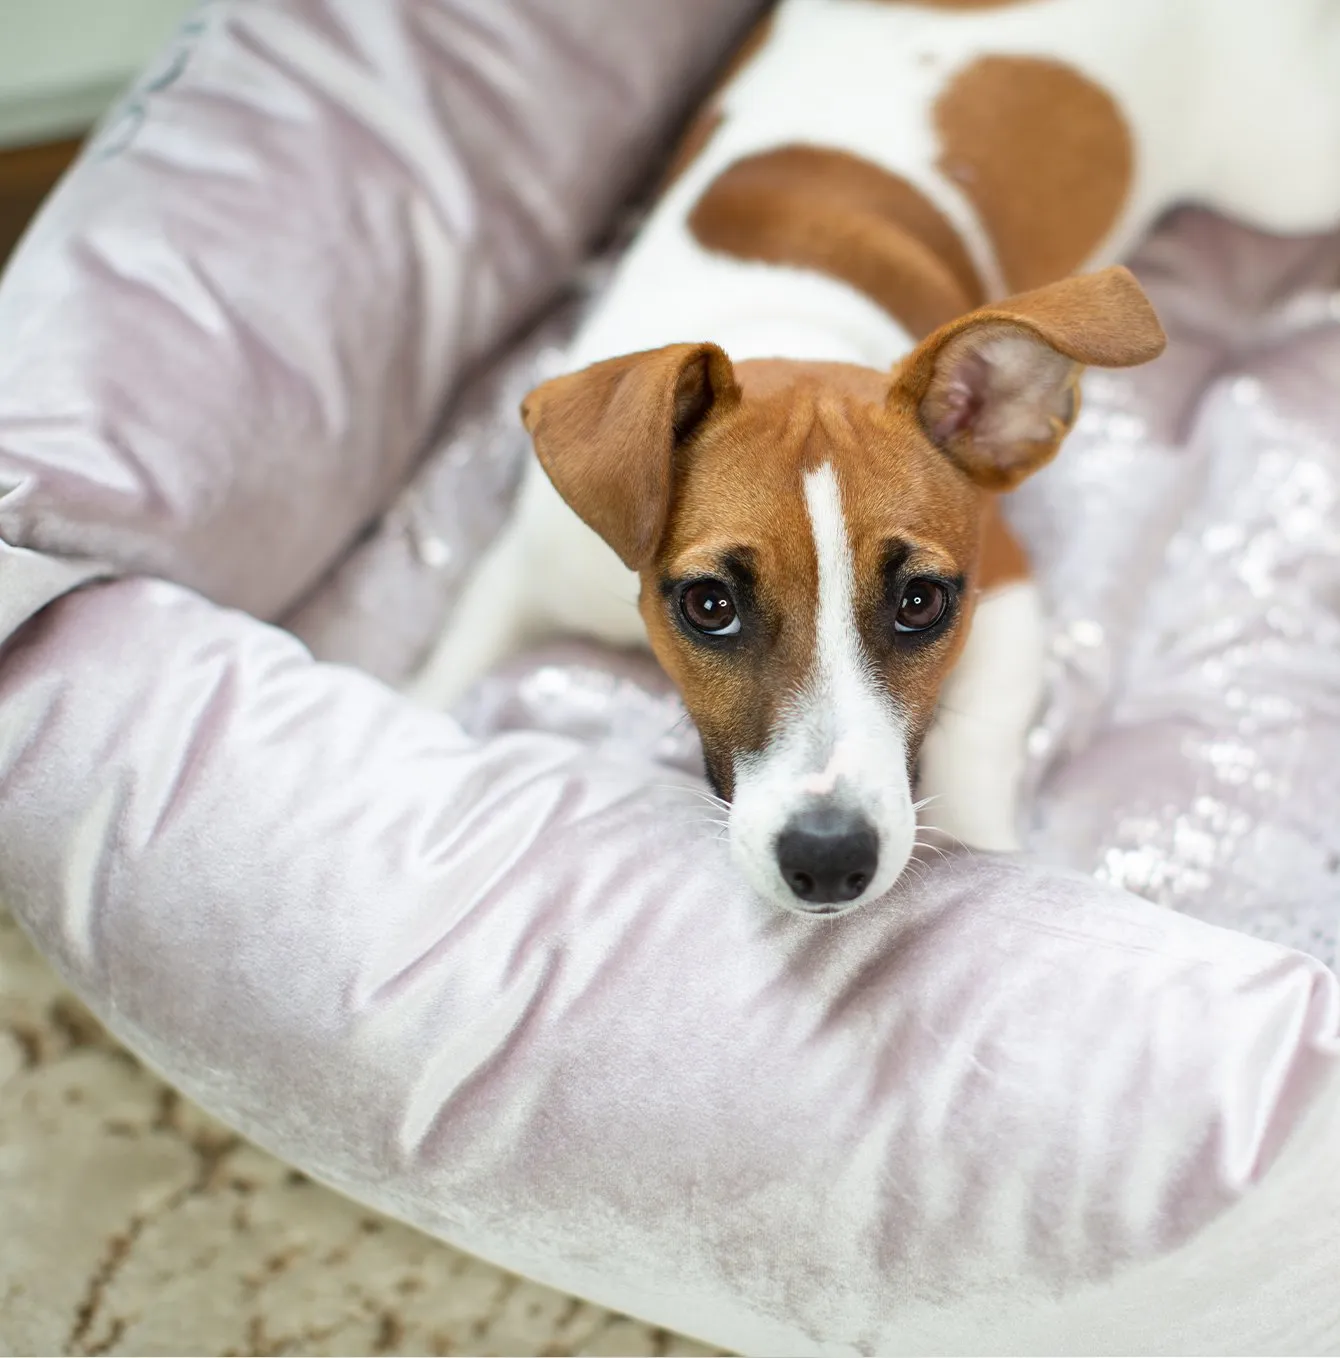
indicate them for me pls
(131, 1223)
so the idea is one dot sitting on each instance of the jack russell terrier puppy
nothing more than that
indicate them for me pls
(777, 452)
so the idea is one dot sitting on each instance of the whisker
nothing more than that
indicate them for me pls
(709, 797)
(933, 848)
(688, 787)
(954, 840)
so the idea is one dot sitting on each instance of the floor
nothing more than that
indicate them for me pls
(134, 1224)
(26, 176)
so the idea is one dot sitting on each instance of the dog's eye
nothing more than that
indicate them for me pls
(707, 607)
(924, 603)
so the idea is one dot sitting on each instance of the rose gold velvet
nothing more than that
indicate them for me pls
(498, 978)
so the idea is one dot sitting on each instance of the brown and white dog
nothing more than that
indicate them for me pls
(777, 452)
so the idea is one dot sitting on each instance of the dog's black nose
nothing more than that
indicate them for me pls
(828, 855)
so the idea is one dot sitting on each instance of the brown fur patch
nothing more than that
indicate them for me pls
(1044, 155)
(703, 128)
(608, 436)
(845, 217)
(739, 497)
(1003, 559)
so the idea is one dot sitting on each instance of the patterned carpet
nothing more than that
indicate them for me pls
(134, 1224)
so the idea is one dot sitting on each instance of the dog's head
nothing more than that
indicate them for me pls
(807, 537)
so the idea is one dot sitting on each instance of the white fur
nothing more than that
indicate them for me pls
(1233, 103)
(842, 740)
(972, 759)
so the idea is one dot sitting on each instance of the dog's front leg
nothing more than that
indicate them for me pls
(972, 759)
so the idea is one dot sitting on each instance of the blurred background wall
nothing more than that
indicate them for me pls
(62, 62)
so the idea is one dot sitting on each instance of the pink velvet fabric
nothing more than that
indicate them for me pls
(495, 975)
(307, 221)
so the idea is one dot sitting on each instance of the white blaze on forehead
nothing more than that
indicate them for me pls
(838, 660)
(842, 738)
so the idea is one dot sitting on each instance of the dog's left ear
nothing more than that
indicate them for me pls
(608, 435)
(998, 389)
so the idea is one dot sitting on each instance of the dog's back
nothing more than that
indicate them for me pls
(906, 162)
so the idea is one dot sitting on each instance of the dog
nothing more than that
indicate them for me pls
(777, 450)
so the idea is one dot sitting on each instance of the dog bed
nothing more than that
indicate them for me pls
(492, 973)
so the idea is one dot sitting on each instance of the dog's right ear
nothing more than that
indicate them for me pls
(607, 436)
(997, 389)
